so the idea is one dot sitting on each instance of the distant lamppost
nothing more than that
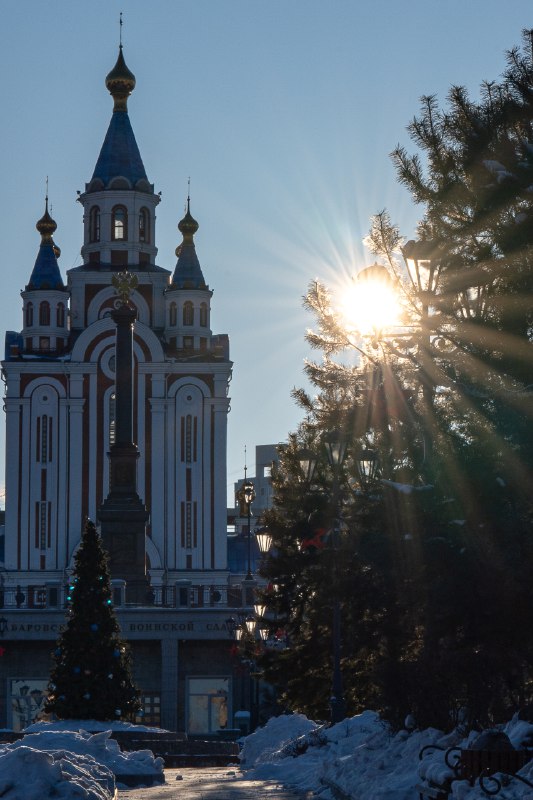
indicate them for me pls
(243, 633)
(248, 493)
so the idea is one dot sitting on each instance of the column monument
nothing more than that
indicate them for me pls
(123, 515)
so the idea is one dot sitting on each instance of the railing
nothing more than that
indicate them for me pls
(33, 597)
(181, 594)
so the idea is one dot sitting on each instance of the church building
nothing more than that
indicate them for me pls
(60, 404)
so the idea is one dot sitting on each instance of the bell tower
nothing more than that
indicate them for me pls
(45, 298)
(119, 202)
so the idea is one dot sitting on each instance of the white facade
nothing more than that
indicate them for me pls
(59, 376)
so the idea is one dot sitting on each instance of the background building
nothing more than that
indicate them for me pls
(59, 372)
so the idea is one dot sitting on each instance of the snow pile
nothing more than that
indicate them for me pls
(362, 759)
(27, 774)
(99, 746)
(92, 725)
(57, 762)
(264, 743)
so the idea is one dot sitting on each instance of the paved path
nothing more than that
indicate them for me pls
(209, 783)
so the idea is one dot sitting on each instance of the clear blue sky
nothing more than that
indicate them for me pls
(283, 112)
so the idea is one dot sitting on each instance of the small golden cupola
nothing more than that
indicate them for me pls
(188, 273)
(187, 227)
(120, 83)
(46, 225)
(46, 274)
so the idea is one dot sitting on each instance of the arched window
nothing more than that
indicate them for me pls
(173, 314)
(60, 315)
(203, 315)
(188, 313)
(44, 313)
(44, 439)
(119, 224)
(144, 225)
(94, 224)
(29, 315)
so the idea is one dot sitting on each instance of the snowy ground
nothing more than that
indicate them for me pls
(358, 759)
(62, 760)
(361, 759)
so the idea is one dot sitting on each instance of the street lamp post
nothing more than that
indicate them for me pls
(416, 340)
(335, 444)
(423, 266)
(367, 464)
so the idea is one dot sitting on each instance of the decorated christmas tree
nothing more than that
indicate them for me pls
(91, 677)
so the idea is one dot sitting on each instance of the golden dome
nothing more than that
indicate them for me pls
(46, 225)
(188, 225)
(120, 83)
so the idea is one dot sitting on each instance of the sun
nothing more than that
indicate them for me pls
(369, 304)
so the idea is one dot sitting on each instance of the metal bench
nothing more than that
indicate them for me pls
(470, 764)
(430, 790)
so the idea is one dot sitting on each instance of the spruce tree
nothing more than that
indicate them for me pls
(91, 677)
(433, 567)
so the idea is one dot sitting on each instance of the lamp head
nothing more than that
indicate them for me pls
(263, 633)
(259, 609)
(370, 305)
(248, 492)
(367, 464)
(335, 443)
(250, 622)
(422, 265)
(264, 539)
(307, 460)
